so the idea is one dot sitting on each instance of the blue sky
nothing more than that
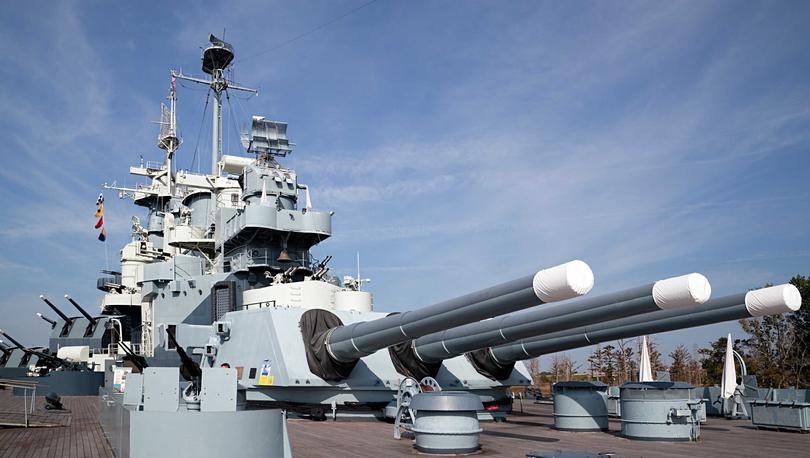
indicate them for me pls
(460, 143)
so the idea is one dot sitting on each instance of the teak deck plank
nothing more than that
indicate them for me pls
(79, 436)
(533, 431)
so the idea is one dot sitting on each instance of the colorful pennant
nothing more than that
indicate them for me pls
(102, 236)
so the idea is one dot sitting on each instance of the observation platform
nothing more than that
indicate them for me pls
(77, 433)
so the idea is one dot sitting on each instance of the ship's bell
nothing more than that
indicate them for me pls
(284, 256)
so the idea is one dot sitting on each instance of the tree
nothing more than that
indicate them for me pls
(695, 372)
(679, 369)
(595, 363)
(562, 366)
(626, 365)
(609, 364)
(769, 346)
(800, 322)
(534, 370)
(711, 360)
(656, 364)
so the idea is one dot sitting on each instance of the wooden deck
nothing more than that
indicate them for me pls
(79, 435)
(532, 431)
(71, 434)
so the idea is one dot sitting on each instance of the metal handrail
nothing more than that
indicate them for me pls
(25, 386)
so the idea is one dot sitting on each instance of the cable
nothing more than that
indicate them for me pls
(310, 31)
(199, 134)
(233, 119)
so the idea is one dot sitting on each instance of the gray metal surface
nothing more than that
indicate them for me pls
(613, 402)
(659, 411)
(446, 401)
(133, 394)
(218, 390)
(269, 339)
(580, 406)
(161, 389)
(783, 409)
(715, 311)
(537, 321)
(140, 433)
(446, 422)
(67, 383)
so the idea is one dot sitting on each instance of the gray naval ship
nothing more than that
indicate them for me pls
(220, 323)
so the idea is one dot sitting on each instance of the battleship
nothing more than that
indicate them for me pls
(220, 324)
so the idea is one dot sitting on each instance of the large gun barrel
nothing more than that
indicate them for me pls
(80, 309)
(50, 321)
(668, 294)
(334, 349)
(189, 369)
(765, 301)
(55, 309)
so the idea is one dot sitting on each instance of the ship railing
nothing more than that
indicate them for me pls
(154, 165)
(114, 349)
(26, 387)
(257, 257)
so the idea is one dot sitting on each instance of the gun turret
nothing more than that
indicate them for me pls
(333, 349)
(760, 302)
(49, 360)
(50, 321)
(423, 356)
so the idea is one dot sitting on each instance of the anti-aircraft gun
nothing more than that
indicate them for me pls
(67, 322)
(5, 353)
(47, 320)
(93, 322)
(45, 362)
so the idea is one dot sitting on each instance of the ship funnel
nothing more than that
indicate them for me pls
(334, 349)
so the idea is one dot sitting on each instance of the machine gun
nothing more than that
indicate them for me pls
(188, 368)
(50, 361)
(321, 270)
(137, 360)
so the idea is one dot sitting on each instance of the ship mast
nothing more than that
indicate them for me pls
(167, 138)
(216, 58)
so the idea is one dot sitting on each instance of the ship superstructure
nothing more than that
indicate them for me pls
(237, 237)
